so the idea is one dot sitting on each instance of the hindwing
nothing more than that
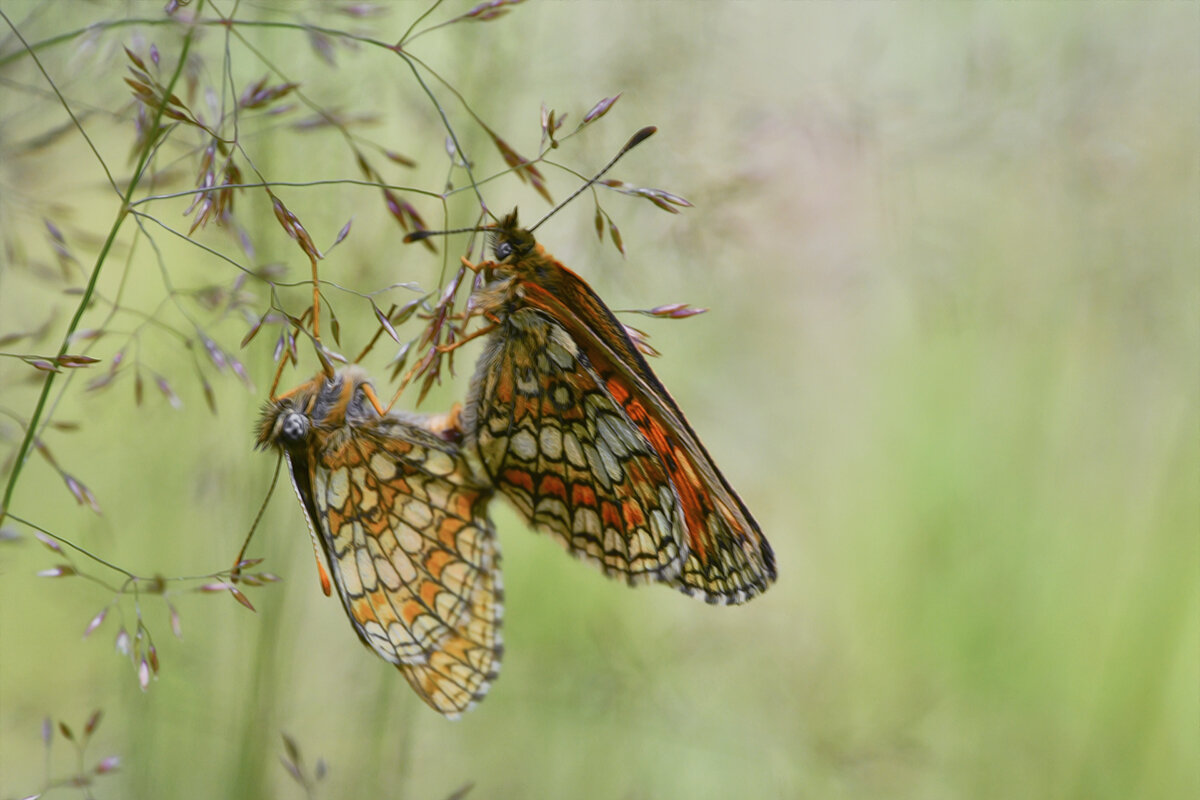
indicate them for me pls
(551, 438)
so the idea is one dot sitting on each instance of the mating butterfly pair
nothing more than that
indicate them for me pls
(566, 419)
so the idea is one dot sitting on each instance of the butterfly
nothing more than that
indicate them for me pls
(566, 419)
(403, 528)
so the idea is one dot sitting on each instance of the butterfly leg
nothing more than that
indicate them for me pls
(283, 359)
(486, 329)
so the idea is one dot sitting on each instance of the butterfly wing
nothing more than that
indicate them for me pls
(554, 442)
(410, 548)
(728, 560)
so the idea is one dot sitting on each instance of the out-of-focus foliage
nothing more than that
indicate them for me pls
(950, 253)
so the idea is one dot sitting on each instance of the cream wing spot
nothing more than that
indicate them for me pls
(417, 515)
(337, 490)
(439, 494)
(409, 539)
(596, 465)
(438, 463)
(365, 569)
(611, 466)
(612, 541)
(587, 521)
(550, 439)
(573, 450)
(387, 573)
(561, 346)
(630, 437)
(563, 358)
(646, 543)
(351, 581)
(405, 569)
(659, 525)
(383, 466)
(666, 498)
(611, 433)
(524, 446)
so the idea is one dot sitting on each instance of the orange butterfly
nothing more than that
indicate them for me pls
(403, 528)
(566, 418)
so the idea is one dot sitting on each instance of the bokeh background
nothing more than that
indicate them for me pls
(951, 252)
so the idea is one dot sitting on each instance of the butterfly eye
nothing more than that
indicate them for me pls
(294, 428)
(503, 250)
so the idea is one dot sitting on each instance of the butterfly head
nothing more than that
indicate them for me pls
(516, 256)
(289, 420)
(510, 242)
(293, 428)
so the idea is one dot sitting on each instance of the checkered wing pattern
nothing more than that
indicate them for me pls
(642, 497)
(405, 534)
(551, 438)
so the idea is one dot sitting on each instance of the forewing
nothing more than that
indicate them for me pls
(553, 441)
(413, 556)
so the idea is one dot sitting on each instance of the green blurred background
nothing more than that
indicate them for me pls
(951, 252)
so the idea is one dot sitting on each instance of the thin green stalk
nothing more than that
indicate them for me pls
(85, 298)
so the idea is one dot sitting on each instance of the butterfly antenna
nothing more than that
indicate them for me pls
(639, 137)
(417, 236)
